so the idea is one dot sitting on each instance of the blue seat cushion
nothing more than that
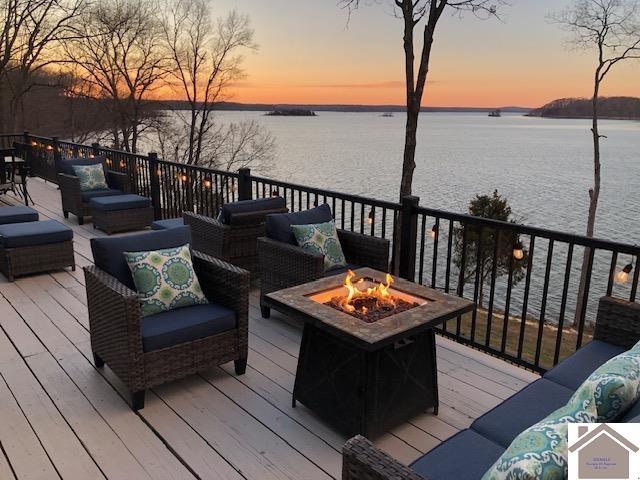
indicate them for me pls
(341, 270)
(119, 202)
(108, 251)
(17, 214)
(246, 206)
(105, 192)
(168, 223)
(530, 405)
(66, 165)
(171, 328)
(634, 412)
(30, 234)
(575, 369)
(465, 456)
(278, 225)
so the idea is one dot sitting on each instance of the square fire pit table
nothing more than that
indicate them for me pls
(366, 378)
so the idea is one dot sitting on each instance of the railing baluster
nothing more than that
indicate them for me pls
(447, 277)
(434, 265)
(478, 282)
(492, 291)
(525, 301)
(585, 298)
(543, 307)
(612, 272)
(423, 242)
(563, 304)
(634, 284)
(507, 306)
(461, 278)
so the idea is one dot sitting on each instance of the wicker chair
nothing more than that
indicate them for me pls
(283, 264)
(77, 202)
(617, 323)
(117, 336)
(233, 237)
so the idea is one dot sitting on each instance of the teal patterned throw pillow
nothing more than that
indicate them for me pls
(321, 238)
(91, 177)
(165, 280)
(540, 452)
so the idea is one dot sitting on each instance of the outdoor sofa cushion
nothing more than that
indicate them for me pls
(527, 407)
(168, 223)
(170, 328)
(17, 214)
(117, 203)
(66, 165)
(278, 225)
(465, 456)
(34, 233)
(576, 368)
(108, 251)
(245, 206)
(105, 192)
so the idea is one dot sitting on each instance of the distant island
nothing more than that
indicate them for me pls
(614, 108)
(291, 112)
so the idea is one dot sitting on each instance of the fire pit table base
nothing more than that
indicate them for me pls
(366, 392)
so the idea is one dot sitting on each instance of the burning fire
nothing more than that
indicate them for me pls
(357, 300)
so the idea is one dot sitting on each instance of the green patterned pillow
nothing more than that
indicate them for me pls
(91, 177)
(616, 384)
(165, 280)
(540, 452)
(321, 238)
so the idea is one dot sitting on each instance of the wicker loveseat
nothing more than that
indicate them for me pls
(284, 264)
(470, 453)
(77, 202)
(145, 352)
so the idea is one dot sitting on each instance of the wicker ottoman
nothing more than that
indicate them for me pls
(35, 247)
(121, 213)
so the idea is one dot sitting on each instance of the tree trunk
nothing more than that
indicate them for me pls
(594, 195)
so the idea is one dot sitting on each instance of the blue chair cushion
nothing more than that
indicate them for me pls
(465, 456)
(168, 329)
(66, 165)
(17, 214)
(634, 412)
(245, 206)
(575, 369)
(34, 233)
(530, 405)
(278, 225)
(168, 223)
(119, 202)
(108, 256)
(107, 192)
(341, 270)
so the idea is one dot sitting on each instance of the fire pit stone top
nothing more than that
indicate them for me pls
(322, 302)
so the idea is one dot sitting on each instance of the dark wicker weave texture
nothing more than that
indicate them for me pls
(283, 265)
(618, 322)
(236, 243)
(15, 262)
(72, 195)
(123, 220)
(114, 317)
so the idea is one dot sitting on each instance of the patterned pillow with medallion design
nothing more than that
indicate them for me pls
(91, 177)
(165, 280)
(321, 238)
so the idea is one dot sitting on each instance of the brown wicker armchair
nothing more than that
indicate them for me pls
(77, 202)
(117, 337)
(233, 237)
(284, 265)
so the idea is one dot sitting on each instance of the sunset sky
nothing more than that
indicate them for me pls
(308, 54)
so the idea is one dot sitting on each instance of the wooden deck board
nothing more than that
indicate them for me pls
(213, 425)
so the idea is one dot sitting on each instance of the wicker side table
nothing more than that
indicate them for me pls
(121, 213)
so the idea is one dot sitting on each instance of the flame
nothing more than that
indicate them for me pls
(380, 293)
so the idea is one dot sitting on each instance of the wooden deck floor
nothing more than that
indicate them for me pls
(62, 418)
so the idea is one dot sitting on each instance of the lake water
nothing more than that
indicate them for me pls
(543, 166)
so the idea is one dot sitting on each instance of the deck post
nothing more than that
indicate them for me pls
(244, 184)
(155, 185)
(408, 237)
(95, 148)
(57, 158)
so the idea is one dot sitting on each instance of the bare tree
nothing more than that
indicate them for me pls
(205, 59)
(429, 12)
(31, 31)
(611, 28)
(122, 58)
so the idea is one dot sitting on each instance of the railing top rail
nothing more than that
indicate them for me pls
(200, 168)
(330, 193)
(535, 231)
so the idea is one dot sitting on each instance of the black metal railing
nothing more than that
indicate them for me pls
(524, 279)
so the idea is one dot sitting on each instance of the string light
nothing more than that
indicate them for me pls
(434, 232)
(122, 164)
(370, 217)
(207, 184)
(274, 192)
(49, 147)
(518, 252)
(622, 276)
